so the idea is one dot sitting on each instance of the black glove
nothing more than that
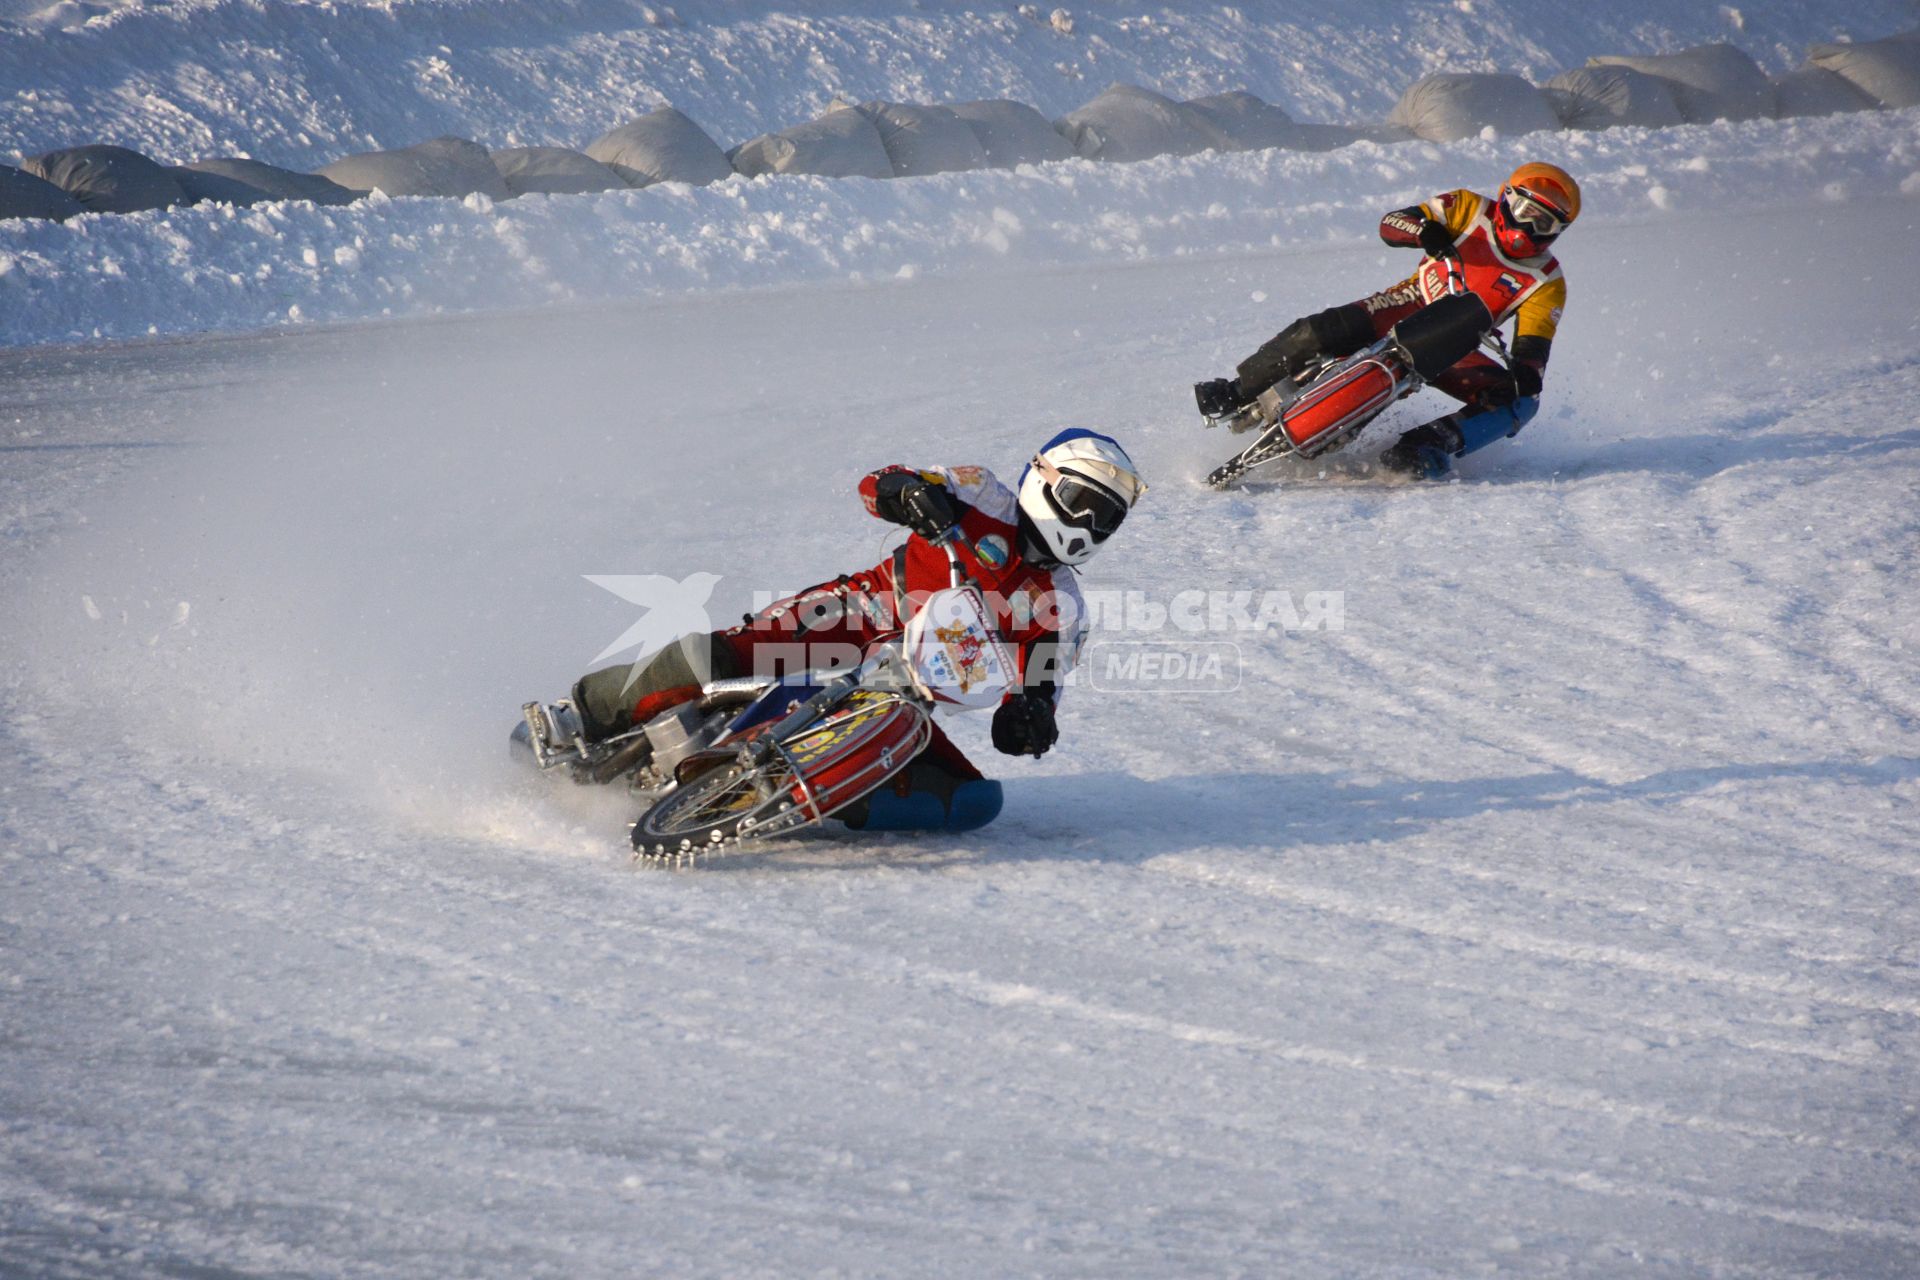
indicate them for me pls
(1435, 239)
(1023, 725)
(1527, 380)
(1522, 380)
(929, 509)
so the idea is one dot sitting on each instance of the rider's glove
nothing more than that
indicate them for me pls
(1435, 239)
(929, 509)
(1526, 380)
(1023, 725)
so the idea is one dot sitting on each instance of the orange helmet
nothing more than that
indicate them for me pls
(1537, 203)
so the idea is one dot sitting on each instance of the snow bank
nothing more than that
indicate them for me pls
(218, 268)
(301, 84)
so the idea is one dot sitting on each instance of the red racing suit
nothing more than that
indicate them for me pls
(1040, 612)
(1529, 291)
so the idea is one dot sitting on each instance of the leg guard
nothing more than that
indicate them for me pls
(606, 699)
(1479, 428)
(1337, 331)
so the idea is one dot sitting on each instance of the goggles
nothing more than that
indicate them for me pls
(1528, 211)
(1085, 504)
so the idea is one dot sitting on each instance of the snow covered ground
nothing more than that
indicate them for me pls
(1556, 916)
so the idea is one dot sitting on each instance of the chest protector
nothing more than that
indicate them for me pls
(1501, 282)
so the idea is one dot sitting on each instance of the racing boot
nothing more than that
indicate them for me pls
(1218, 397)
(1426, 452)
(553, 733)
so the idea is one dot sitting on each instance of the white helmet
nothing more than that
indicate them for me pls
(1075, 493)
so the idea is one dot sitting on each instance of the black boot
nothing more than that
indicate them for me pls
(1218, 397)
(1426, 451)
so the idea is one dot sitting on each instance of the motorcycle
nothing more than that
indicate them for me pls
(1326, 406)
(762, 756)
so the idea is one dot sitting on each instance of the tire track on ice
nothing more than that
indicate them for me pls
(1535, 946)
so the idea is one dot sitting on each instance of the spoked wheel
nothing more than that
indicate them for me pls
(781, 788)
(724, 805)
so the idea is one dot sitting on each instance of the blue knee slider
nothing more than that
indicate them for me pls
(973, 804)
(1479, 428)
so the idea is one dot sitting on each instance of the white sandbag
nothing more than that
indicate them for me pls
(214, 188)
(840, 144)
(553, 171)
(441, 167)
(921, 140)
(23, 195)
(1602, 97)
(1128, 122)
(661, 146)
(108, 179)
(1816, 91)
(1887, 71)
(1012, 133)
(277, 183)
(1242, 122)
(1710, 82)
(1453, 105)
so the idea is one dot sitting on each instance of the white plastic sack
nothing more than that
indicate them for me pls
(1454, 105)
(1887, 71)
(1130, 123)
(661, 146)
(553, 171)
(1816, 91)
(1710, 82)
(440, 167)
(108, 179)
(23, 195)
(277, 183)
(920, 140)
(1242, 122)
(1602, 97)
(1012, 133)
(840, 144)
(215, 188)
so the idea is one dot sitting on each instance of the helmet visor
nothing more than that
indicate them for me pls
(1539, 217)
(1086, 505)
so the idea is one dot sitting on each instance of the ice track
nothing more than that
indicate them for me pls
(1554, 917)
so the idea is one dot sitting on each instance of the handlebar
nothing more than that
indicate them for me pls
(951, 539)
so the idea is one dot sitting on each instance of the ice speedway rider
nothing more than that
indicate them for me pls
(1067, 503)
(1501, 247)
